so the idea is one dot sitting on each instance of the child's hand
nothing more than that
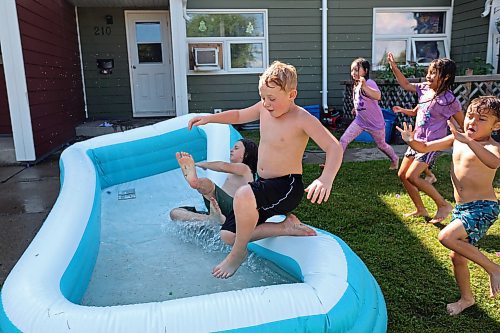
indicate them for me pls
(362, 81)
(197, 121)
(407, 132)
(318, 192)
(201, 165)
(397, 109)
(458, 135)
(390, 58)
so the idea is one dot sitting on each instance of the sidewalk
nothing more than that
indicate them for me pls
(27, 195)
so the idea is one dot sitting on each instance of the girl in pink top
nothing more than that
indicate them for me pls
(369, 117)
(436, 104)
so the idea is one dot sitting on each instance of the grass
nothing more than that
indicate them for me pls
(411, 266)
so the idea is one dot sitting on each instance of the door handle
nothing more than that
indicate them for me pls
(133, 66)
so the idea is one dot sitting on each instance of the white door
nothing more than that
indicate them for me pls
(150, 59)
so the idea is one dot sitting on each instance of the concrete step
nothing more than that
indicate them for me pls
(7, 152)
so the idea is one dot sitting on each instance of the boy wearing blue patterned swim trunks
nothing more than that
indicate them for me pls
(476, 157)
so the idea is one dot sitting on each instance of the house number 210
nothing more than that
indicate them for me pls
(101, 31)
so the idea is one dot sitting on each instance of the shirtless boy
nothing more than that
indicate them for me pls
(476, 157)
(285, 129)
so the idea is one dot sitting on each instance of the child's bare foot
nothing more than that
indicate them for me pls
(417, 213)
(456, 308)
(442, 213)
(495, 282)
(394, 165)
(293, 227)
(229, 265)
(216, 215)
(431, 179)
(186, 163)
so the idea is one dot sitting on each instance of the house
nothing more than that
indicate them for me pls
(65, 61)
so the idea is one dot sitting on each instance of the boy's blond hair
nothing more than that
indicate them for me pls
(485, 105)
(281, 75)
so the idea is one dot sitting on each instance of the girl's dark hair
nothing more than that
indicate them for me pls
(251, 154)
(363, 63)
(445, 70)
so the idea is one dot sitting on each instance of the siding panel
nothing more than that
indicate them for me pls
(50, 47)
(470, 32)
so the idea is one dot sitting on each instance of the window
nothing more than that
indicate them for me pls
(231, 41)
(417, 35)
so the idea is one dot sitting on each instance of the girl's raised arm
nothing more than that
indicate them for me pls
(402, 80)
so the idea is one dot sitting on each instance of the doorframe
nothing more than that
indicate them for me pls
(15, 80)
(179, 73)
(180, 55)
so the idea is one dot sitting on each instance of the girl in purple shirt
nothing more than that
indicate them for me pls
(436, 104)
(369, 117)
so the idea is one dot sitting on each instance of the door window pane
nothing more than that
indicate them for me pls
(248, 55)
(148, 32)
(148, 39)
(149, 53)
(397, 47)
(409, 23)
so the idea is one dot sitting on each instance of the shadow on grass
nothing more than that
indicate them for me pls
(410, 265)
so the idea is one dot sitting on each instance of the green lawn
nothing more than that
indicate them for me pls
(410, 265)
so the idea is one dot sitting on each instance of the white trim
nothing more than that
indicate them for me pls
(179, 56)
(227, 41)
(492, 51)
(15, 79)
(419, 39)
(324, 55)
(81, 63)
(446, 35)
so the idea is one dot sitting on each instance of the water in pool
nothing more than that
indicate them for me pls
(146, 257)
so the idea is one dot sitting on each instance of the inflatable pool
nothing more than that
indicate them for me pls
(43, 292)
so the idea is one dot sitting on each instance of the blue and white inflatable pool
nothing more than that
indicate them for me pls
(43, 292)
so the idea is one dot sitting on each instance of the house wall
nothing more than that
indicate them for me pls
(294, 37)
(52, 66)
(108, 96)
(469, 33)
(5, 126)
(350, 29)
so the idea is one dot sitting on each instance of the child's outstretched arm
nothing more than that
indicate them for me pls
(239, 169)
(408, 112)
(407, 134)
(402, 80)
(319, 190)
(489, 158)
(228, 117)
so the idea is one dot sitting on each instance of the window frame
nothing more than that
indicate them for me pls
(410, 38)
(227, 41)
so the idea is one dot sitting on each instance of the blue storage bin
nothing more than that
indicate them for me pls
(313, 109)
(389, 118)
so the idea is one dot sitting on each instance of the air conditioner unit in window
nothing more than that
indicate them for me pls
(206, 59)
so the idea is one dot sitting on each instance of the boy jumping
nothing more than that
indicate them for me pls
(285, 129)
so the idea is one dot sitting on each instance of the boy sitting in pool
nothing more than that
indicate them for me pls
(476, 157)
(219, 201)
(285, 129)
